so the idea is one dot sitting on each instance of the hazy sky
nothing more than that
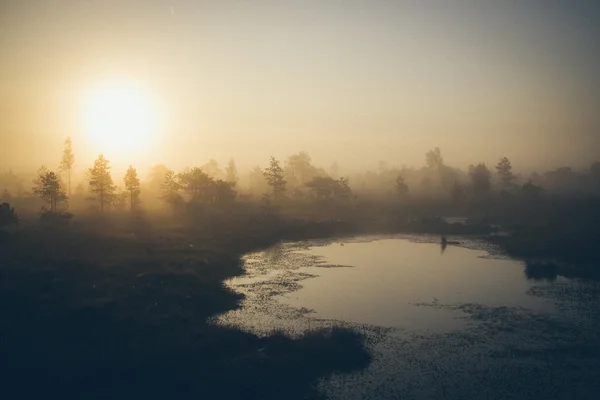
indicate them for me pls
(354, 81)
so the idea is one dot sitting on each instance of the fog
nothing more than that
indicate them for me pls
(353, 82)
(182, 181)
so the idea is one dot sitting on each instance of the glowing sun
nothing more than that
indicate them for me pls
(119, 118)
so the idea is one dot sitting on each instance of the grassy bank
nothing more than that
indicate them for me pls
(117, 309)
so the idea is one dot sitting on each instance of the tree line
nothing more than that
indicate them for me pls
(297, 178)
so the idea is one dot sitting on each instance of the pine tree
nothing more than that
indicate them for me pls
(67, 162)
(504, 171)
(274, 176)
(132, 186)
(170, 188)
(434, 159)
(101, 181)
(47, 186)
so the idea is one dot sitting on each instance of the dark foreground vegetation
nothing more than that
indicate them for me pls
(110, 297)
(118, 309)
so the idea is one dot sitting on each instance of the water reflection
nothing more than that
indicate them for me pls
(392, 277)
(444, 244)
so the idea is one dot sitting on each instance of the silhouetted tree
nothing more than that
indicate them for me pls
(435, 164)
(326, 187)
(170, 189)
(274, 176)
(401, 187)
(101, 181)
(8, 216)
(299, 170)
(342, 190)
(434, 159)
(198, 185)
(67, 161)
(132, 186)
(231, 175)
(321, 187)
(504, 171)
(224, 192)
(480, 179)
(47, 186)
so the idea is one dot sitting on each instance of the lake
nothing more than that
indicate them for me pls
(438, 321)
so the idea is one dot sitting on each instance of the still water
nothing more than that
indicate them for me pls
(390, 280)
(451, 323)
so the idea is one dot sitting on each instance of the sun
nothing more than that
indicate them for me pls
(119, 118)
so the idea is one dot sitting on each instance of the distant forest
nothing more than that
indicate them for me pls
(295, 179)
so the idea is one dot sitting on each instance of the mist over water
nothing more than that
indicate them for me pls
(183, 182)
